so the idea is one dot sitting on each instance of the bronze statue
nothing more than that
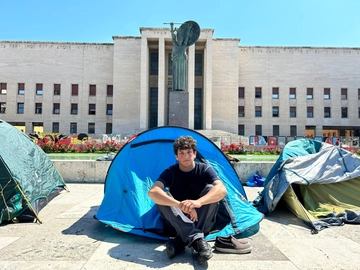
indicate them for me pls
(186, 35)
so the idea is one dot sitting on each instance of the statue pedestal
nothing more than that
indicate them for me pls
(179, 108)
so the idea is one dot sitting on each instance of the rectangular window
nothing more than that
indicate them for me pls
(241, 92)
(38, 108)
(344, 112)
(73, 127)
(241, 111)
(109, 109)
(91, 128)
(153, 105)
(241, 130)
(57, 87)
(169, 64)
(109, 90)
(198, 64)
(74, 89)
(292, 93)
(358, 112)
(257, 92)
(55, 127)
(21, 88)
(108, 128)
(358, 93)
(275, 92)
(327, 112)
(292, 112)
(310, 112)
(92, 108)
(154, 63)
(326, 93)
(2, 107)
(276, 130)
(3, 88)
(293, 131)
(275, 111)
(39, 88)
(309, 93)
(257, 111)
(343, 93)
(74, 108)
(56, 108)
(92, 90)
(258, 130)
(20, 108)
(198, 108)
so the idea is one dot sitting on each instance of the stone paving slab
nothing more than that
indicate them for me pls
(70, 238)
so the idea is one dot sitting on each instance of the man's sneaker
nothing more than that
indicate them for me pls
(174, 246)
(203, 248)
(232, 245)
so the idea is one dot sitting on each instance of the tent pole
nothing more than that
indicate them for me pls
(29, 204)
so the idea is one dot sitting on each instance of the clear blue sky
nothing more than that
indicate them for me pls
(330, 23)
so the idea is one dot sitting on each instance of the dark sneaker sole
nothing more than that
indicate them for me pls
(232, 250)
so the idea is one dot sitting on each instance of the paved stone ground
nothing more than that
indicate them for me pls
(70, 238)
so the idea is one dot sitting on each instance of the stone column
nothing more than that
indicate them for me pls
(191, 84)
(144, 84)
(161, 82)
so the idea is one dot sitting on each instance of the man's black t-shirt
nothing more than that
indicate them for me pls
(188, 185)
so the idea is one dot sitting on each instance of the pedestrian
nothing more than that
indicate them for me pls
(187, 195)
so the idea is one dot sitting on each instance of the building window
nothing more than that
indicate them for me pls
(275, 111)
(310, 112)
(57, 87)
(257, 92)
(91, 128)
(38, 108)
(258, 130)
(153, 105)
(276, 130)
(20, 108)
(293, 131)
(358, 112)
(358, 93)
(309, 93)
(241, 111)
(3, 87)
(241, 130)
(56, 108)
(292, 93)
(292, 112)
(109, 90)
(344, 112)
(92, 108)
(74, 108)
(2, 107)
(275, 92)
(169, 64)
(257, 111)
(326, 93)
(92, 90)
(327, 112)
(241, 92)
(21, 88)
(74, 89)
(108, 128)
(109, 109)
(55, 127)
(73, 127)
(198, 108)
(343, 93)
(39, 88)
(198, 64)
(154, 63)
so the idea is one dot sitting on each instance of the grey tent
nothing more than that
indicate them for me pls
(28, 178)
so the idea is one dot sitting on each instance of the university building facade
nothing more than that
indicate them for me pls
(123, 87)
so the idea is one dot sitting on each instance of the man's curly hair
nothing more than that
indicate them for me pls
(184, 143)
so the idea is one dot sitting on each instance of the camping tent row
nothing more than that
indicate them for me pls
(127, 207)
(28, 178)
(318, 182)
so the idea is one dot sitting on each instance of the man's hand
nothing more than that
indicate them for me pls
(188, 205)
(193, 216)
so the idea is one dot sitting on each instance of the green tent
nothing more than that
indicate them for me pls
(28, 178)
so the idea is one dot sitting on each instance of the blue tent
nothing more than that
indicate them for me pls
(127, 207)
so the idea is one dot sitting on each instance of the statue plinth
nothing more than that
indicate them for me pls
(179, 108)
